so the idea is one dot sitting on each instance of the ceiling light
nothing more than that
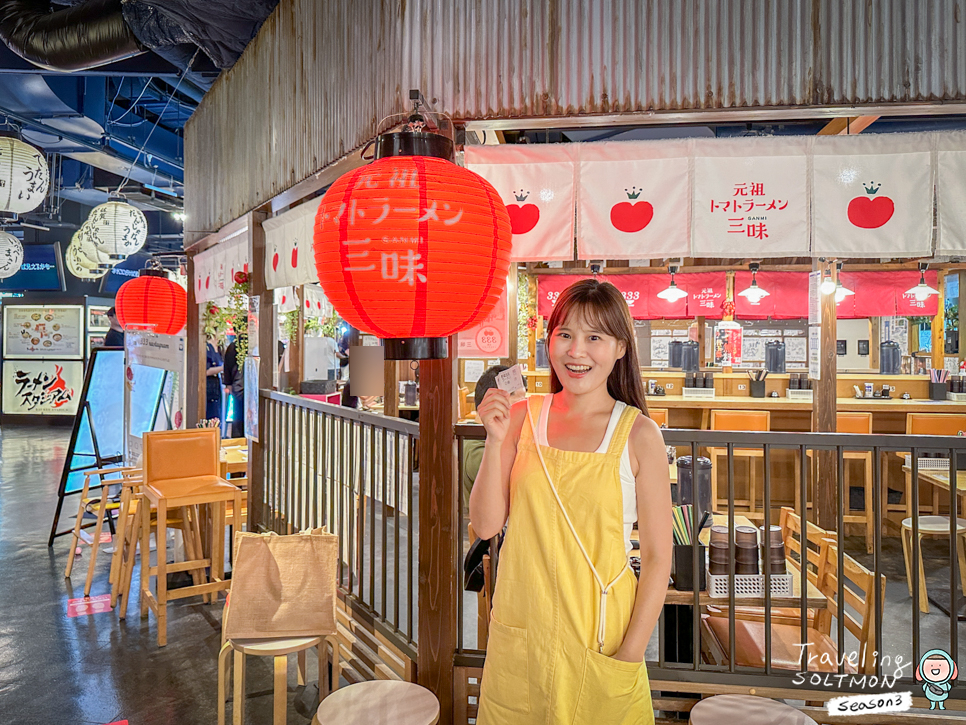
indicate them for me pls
(754, 294)
(672, 293)
(40, 227)
(828, 285)
(842, 292)
(922, 291)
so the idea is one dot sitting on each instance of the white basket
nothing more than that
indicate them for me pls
(794, 394)
(956, 397)
(750, 586)
(697, 392)
(930, 464)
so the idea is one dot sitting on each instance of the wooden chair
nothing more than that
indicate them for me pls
(932, 526)
(103, 506)
(750, 635)
(739, 420)
(925, 424)
(466, 408)
(854, 423)
(379, 702)
(658, 415)
(181, 471)
(484, 603)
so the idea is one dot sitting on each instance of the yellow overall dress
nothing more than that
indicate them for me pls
(553, 631)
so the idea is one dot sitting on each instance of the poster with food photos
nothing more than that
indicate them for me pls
(41, 331)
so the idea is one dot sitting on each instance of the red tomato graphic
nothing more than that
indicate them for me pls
(523, 217)
(295, 255)
(275, 262)
(867, 212)
(207, 281)
(631, 217)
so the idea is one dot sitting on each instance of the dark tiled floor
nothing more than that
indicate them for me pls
(95, 669)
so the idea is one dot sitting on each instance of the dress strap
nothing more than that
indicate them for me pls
(623, 430)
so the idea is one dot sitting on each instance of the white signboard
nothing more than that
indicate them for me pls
(814, 298)
(36, 387)
(815, 352)
(155, 351)
(39, 331)
(491, 336)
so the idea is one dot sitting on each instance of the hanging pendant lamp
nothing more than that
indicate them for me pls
(24, 176)
(922, 291)
(117, 228)
(754, 294)
(672, 293)
(11, 255)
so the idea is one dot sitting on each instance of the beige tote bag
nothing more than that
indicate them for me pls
(283, 586)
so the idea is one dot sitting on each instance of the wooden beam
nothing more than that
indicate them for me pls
(261, 339)
(702, 361)
(824, 406)
(438, 528)
(195, 348)
(390, 394)
(847, 125)
(875, 334)
(939, 327)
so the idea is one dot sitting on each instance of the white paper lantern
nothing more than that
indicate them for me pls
(24, 176)
(90, 256)
(117, 229)
(11, 255)
(73, 258)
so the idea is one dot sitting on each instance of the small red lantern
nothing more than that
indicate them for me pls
(412, 248)
(152, 302)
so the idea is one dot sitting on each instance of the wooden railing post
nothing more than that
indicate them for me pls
(438, 529)
(261, 339)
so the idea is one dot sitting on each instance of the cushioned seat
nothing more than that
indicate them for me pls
(785, 654)
(192, 486)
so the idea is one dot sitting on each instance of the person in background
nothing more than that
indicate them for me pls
(473, 449)
(331, 358)
(233, 378)
(114, 336)
(213, 368)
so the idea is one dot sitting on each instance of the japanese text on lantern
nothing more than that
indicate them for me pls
(747, 207)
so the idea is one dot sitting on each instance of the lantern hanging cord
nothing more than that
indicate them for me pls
(153, 128)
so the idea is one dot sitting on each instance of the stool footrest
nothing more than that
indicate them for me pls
(185, 566)
(196, 590)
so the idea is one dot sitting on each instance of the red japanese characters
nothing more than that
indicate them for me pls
(152, 302)
(412, 247)
(628, 217)
(871, 212)
(523, 217)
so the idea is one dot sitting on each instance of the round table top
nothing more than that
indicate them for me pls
(934, 524)
(751, 710)
(375, 702)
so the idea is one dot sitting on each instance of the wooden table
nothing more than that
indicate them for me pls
(233, 460)
(939, 481)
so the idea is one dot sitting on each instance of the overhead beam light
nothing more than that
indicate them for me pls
(922, 291)
(754, 294)
(672, 293)
(39, 227)
(162, 190)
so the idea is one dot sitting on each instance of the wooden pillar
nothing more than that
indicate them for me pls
(296, 355)
(824, 407)
(875, 333)
(702, 360)
(196, 380)
(729, 297)
(390, 396)
(261, 339)
(939, 326)
(513, 316)
(438, 528)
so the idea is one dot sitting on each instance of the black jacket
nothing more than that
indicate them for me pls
(233, 376)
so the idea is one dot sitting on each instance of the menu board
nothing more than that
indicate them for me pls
(43, 331)
(36, 387)
(97, 318)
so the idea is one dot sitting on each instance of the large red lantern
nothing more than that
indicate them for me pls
(152, 302)
(412, 248)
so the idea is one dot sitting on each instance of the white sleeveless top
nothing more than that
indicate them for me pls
(628, 483)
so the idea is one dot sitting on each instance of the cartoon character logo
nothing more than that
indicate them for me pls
(936, 671)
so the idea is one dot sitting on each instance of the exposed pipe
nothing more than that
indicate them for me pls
(80, 37)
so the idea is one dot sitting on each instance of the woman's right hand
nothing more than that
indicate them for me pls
(494, 413)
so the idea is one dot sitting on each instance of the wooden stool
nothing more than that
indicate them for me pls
(932, 526)
(740, 420)
(379, 702)
(280, 649)
(751, 710)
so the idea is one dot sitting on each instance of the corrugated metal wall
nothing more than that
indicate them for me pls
(322, 73)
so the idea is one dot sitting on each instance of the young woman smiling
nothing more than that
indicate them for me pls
(569, 474)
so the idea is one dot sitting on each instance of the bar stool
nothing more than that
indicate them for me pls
(751, 710)
(739, 420)
(932, 526)
(658, 415)
(379, 702)
(925, 424)
(181, 470)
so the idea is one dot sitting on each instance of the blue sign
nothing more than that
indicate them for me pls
(123, 272)
(42, 269)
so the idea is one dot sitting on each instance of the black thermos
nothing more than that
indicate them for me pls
(775, 356)
(890, 358)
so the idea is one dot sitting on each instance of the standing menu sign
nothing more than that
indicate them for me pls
(43, 331)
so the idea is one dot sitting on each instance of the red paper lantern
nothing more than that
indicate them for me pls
(412, 247)
(152, 302)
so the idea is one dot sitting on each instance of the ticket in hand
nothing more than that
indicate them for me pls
(511, 379)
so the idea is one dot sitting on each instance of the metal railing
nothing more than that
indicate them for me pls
(908, 635)
(355, 474)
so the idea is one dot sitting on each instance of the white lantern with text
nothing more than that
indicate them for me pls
(24, 176)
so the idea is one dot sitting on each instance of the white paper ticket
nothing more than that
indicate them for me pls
(511, 379)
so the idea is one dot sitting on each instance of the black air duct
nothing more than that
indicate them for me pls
(84, 36)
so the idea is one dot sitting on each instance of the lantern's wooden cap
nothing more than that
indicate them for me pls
(416, 348)
(150, 272)
(414, 143)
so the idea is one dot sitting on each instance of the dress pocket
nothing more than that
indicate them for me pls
(506, 682)
(613, 691)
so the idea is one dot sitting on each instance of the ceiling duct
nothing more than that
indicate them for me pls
(76, 38)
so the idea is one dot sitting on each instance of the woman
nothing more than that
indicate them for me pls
(570, 623)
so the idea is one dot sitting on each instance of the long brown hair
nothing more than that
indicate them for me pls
(603, 307)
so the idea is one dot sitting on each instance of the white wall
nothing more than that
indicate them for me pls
(852, 331)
